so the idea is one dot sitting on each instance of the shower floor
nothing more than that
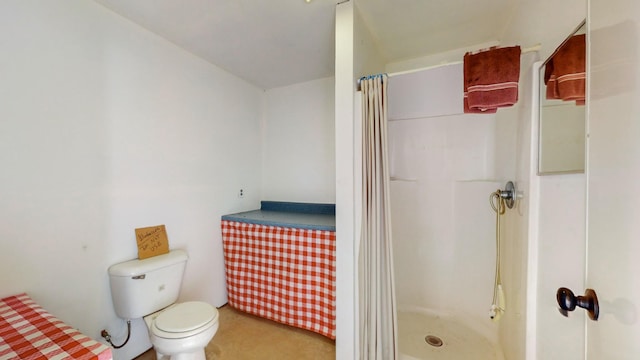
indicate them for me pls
(419, 334)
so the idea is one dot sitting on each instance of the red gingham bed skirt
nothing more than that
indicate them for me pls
(283, 274)
(27, 331)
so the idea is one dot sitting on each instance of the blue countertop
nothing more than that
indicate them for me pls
(288, 214)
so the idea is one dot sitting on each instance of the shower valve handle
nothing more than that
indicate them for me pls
(568, 302)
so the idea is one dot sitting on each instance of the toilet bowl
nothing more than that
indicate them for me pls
(181, 331)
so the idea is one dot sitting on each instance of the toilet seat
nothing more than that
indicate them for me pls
(184, 320)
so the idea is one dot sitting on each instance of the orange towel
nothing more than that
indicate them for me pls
(491, 79)
(565, 72)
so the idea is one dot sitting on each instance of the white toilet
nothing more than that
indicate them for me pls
(149, 288)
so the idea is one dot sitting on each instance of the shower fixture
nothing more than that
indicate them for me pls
(509, 194)
(503, 198)
(500, 200)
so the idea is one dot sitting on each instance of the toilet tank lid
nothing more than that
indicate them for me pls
(138, 267)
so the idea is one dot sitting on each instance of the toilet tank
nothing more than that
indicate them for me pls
(141, 287)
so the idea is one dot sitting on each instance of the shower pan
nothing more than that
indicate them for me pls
(425, 334)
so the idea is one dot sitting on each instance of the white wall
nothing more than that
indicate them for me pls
(356, 55)
(105, 128)
(346, 331)
(367, 58)
(561, 253)
(534, 23)
(513, 323)
(612, 178)
(298, 151)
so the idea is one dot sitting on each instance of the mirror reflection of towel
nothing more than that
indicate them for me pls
(565, 72)
(491, 79)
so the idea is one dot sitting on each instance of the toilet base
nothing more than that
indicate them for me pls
(191, 348)
(195, 355)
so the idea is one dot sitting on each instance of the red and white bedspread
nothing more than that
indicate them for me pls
(27, 331)
(283, 274)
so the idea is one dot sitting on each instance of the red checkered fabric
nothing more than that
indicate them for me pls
(282, 274)
(27, 331)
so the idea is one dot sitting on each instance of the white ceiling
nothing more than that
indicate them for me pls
(273, 43)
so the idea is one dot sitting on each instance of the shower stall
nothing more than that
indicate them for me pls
(444, 167)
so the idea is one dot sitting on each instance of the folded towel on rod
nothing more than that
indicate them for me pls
(491, 79)
(565, 72)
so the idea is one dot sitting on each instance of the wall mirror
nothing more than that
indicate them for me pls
(561, 147)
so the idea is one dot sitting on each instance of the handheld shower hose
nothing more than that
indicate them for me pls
(498, 305)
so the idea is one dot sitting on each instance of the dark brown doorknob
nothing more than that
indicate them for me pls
(568, 302)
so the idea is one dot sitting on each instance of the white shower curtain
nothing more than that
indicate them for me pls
(378, 328)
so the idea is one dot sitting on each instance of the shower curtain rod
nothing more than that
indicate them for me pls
(533, 48)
